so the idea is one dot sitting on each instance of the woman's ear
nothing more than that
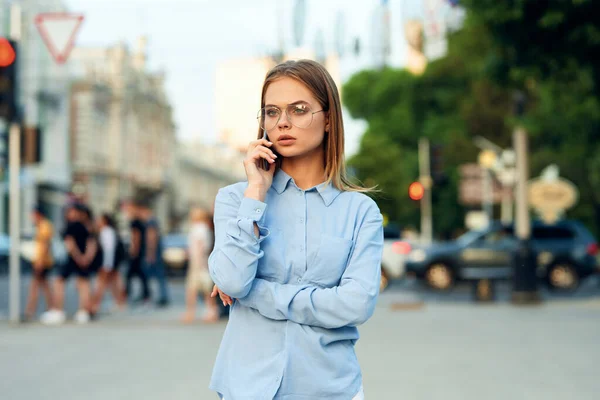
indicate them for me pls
(327, 122)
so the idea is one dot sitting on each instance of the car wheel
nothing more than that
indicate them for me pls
(439, 276)
(563, 277)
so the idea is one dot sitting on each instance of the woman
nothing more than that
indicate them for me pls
(108, 275)
(297, 251)
(200, 240)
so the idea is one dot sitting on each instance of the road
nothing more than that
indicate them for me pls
(416, 346)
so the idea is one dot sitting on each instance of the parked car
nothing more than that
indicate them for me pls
(395, 252)
(566, 253)
(175, 253)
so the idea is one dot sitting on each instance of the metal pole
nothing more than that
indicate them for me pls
(426, 181)
(487, 195)
(525, 279)
(506, 211)
(523, 228)
(14, 222)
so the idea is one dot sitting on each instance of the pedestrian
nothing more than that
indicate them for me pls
(137, 248)
(297, 251)
(89, 223)
(81, 249)
(113, 256)
(41, 263)
(197, 280)
(153, 265)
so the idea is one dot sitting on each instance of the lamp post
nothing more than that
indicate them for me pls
(524, 260)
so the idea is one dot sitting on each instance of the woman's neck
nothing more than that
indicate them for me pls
(307, 171)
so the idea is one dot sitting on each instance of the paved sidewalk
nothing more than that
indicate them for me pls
(454, 350)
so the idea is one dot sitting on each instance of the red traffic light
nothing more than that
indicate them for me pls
(416, 191)
(7, 53)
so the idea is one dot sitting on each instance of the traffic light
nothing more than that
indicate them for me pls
(416, 191)
(8, 72)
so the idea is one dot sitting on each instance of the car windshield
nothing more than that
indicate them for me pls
(469, 237)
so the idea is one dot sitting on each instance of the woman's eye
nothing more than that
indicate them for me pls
(272, 113)
(299, 109)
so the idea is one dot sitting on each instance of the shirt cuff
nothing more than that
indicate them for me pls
(252, 209)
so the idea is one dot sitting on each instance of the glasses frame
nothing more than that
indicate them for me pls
(312, 117)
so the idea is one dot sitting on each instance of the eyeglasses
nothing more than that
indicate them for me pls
(299, 115)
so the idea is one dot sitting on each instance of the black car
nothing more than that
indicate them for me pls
(566, 253)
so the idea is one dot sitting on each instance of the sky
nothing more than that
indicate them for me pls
(188, 38)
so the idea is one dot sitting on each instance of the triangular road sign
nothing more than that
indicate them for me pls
(58, 31)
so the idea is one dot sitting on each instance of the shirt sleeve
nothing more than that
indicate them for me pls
(108, 242)
(349, 304)
(234, 259)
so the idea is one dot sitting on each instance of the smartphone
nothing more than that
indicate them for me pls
(264, 163)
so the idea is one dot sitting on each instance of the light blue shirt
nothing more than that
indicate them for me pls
(302, 288)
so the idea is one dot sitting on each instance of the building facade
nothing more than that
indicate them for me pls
(42, 100)
(202, 170)
(122, 135)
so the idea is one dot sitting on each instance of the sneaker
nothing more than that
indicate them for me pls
(53, 317)
(82, 317)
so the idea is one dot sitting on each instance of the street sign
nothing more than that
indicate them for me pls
(470, 188)
(58, 30)
(551, 195)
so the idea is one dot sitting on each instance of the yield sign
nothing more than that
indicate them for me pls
(58, 31)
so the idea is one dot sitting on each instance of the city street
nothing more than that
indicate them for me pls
(416, 346)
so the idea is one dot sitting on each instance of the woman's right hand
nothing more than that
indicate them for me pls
(259, 179)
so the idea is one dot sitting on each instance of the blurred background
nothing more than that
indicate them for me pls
(479, 121)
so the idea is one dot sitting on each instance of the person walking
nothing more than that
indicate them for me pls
(152, 262)
(200, 239)
(41, 263)
(137, 249)
(297, 251)
(81, 249)
(113, 256)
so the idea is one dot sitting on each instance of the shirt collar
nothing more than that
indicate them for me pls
(326, 190)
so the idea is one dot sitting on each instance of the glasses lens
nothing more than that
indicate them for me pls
(268, 117)
(300, 115)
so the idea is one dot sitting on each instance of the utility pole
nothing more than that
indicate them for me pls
(524, 278)
(14, 203)
(15, 223)
(426, 181)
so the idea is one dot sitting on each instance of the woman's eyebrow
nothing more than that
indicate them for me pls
(291, 104)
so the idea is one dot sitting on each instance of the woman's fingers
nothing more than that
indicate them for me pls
(263, 152)
(259, 142)
(225, 298)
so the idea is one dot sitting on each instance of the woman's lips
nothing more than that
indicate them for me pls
(286, 140)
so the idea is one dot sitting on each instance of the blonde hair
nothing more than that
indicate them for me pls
(316, 78)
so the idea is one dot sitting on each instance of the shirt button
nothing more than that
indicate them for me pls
(257, 211)
(299, 280)
(301, 247)
(301, 220)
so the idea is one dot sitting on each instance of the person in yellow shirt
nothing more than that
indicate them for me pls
(41, 263)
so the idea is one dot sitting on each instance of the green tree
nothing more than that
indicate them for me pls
(545, 48)
(548, 50)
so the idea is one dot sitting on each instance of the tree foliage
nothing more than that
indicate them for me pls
(543, 48)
